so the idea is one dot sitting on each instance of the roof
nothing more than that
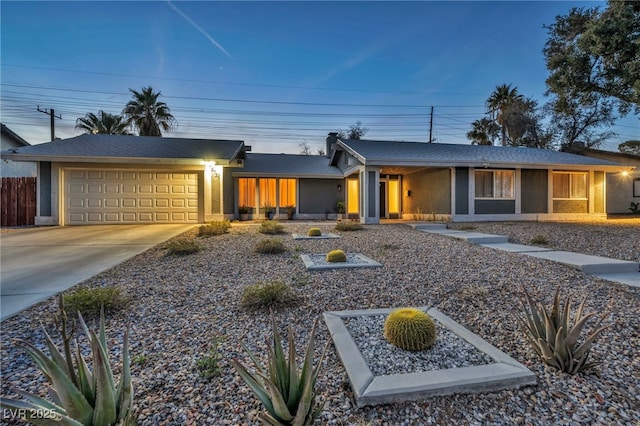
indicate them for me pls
(620, 157)
(392, 153)
(13, 135)
(287, 165)
(129, 149)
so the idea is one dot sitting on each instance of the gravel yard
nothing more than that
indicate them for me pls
(180, 304)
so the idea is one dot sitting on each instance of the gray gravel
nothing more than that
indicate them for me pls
(383, 358)
(181, 303)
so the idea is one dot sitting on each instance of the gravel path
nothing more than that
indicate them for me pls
(181, 303)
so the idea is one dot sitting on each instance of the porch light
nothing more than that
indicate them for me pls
(339, 188)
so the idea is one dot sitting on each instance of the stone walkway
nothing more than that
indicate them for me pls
(621, 271)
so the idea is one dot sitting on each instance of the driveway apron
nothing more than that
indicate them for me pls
(41, 262)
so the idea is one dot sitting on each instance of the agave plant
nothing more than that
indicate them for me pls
(552, 336)
(286, 392)
(80, 397)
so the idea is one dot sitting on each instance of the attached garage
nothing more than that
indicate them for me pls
(126, 179)
(125, 196)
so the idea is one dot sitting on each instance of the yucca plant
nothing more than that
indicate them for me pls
(79, 396)
(553, 337)
(286, 392)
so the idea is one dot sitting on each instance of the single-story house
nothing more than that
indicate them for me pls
(94, 179)
(10, 140)
(622, 188)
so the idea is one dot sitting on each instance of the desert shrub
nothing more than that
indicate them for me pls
(271, 227)
(553, 337)
(467, 227)
(274, 294)
(539, 240)
(209, 363)
(89, 301)
(410, 329)
(270, 246)
(336, 256)
(348, 226)
(217, 227)
(182, 247)
(314, 232)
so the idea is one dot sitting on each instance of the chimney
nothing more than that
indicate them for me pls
(331, 141)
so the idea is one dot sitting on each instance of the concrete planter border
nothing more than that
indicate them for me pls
(363, 262)
(368, 389)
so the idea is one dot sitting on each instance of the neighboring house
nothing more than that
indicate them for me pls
(9, 140)
(623, 188)
(92, 179)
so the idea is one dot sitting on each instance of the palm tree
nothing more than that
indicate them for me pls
(103, 123)
(145, 113)
(484, 132)
(499, 101)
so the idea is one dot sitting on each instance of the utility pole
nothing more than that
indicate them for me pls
(431, 127)
(51, 113)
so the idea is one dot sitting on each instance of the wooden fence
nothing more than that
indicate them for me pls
(18, 201)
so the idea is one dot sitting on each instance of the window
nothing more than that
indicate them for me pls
(247, 192)
(495, 184)
(353, 195)
(569, 186)
(287, 192)
(267, 192)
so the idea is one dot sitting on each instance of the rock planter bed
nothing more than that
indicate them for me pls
(380, 373)
(318, 262)
(320, 237)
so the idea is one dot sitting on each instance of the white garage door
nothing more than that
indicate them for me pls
(111, 196)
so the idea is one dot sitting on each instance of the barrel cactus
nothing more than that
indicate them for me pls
(314, 232)
(335, 256)
(410, 329)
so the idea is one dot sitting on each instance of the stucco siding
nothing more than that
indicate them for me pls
(462, 190)
(319, 195)
(570, 206)
(598, 192)
(228, 191)
(495, 206)
(430, 192)
(534, 191)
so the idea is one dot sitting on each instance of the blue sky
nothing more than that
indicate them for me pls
(275, 74)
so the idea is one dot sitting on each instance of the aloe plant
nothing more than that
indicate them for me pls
(286, 392)
(79, 396)
(553, 337)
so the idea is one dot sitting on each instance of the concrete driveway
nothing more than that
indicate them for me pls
(41, 262)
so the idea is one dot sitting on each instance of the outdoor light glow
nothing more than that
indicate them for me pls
(625, 173)
(209, 164)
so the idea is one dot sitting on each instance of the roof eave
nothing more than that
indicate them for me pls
(286, 175)
(119, 160)
(491, 164)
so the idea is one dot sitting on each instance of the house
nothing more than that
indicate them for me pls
(95, 179)
(9, 140)
(622, 188)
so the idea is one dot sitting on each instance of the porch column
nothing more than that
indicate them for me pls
(369, 194)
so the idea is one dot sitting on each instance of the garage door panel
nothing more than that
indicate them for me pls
(108, 196)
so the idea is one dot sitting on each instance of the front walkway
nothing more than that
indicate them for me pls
(621, 271)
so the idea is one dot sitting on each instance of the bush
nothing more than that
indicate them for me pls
(336, 256)
(348, 226)
(209, 364)
(89, 301)
(314, 232)
(217, 227)
(270, 246)
(539, 240)
(271, 227)
(182, 247)
(268, 295)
